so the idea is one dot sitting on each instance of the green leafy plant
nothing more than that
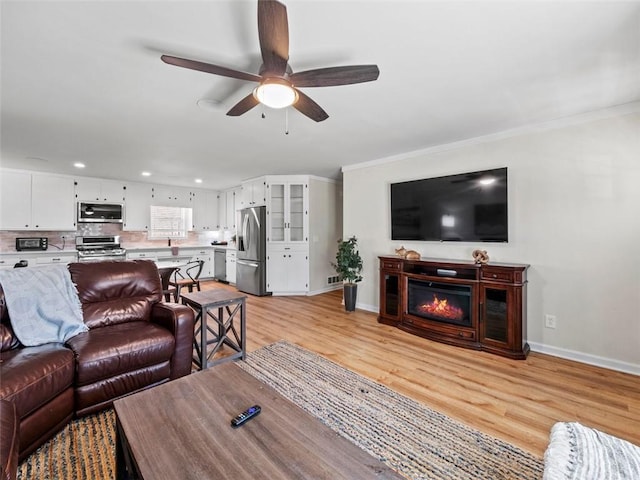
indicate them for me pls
(348, 263)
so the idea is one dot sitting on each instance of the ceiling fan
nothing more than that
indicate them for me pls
(278, 85)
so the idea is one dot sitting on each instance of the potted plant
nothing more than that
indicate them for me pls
(348, 267)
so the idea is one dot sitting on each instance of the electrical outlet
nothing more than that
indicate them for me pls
(550, 321)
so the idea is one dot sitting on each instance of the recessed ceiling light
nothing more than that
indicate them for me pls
(79, 165)
(146, 174)
(198, 180)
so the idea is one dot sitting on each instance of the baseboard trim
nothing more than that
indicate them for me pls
(567, 354)
(323, 290)
(587, 358)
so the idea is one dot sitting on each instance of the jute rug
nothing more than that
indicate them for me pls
(418, 442)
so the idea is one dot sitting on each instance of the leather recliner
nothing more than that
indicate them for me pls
(134, 342)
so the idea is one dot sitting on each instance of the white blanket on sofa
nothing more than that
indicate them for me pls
(576, 452)
(43, 304)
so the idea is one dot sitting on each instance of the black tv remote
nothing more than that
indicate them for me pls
(245, 416)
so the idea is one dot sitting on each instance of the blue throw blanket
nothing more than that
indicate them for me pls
(43, 304)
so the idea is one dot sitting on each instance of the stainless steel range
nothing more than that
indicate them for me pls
(97, 249)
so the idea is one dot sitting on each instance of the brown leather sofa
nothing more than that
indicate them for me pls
(134, 342)
(9, 438)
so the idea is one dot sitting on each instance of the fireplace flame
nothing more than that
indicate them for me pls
(442, 309)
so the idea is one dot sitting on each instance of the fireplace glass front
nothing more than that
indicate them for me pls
(442, 302)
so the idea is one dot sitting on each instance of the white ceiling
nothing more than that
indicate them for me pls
(83, 81)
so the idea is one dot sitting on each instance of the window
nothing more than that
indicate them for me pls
(169, 222)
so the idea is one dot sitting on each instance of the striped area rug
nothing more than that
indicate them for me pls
(418, 442)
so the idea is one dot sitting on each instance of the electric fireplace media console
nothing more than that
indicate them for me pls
(456, 302)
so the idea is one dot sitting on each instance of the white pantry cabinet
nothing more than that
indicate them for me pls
(287, 210)
(288, 269)
(303, 224)
(36, 201)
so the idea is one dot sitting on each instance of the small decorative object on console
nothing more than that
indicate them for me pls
(480, 256)
(408, 254)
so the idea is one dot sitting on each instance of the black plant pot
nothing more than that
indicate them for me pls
(350, 294)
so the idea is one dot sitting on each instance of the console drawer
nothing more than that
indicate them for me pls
(497, 274)
(391, 265)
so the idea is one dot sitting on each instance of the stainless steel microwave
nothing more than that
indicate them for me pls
(95, 212)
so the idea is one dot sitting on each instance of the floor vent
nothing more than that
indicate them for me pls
(333, 280)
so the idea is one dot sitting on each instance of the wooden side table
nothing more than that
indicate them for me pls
(213, 304)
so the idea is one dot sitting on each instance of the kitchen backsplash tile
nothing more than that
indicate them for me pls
(66, 240)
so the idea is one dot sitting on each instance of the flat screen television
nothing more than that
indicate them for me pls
(469, 207)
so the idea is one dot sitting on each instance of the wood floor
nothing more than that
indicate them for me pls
(514, 400)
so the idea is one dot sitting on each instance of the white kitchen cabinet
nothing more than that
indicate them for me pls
(231, 266)
(36, 201)
(205, 210)
(222, 211)
(145, 255)
(171, 196)
(227, 210)
(137, 203)
(288, 270)
(287, 211)
(231, 209)
(63, 257)
(254, 193)
(99, 190)
(205, 254)
(15, 200)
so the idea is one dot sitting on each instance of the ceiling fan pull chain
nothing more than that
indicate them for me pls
(286, 121)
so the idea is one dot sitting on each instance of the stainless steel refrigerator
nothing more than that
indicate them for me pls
(251, 261)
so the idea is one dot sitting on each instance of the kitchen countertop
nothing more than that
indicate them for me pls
(40, 252)
(54, 251)
(180, 247)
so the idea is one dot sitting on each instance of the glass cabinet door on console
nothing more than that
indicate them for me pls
(390, 291)
(494, 314)
(502, 315)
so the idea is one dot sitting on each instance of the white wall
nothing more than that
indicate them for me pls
(325, 228)
(574, 216)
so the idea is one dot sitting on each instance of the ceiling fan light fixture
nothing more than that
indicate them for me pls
(276, 93)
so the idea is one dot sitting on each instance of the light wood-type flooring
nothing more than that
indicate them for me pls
(515, 400)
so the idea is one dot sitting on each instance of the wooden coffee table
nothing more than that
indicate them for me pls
(182, 430)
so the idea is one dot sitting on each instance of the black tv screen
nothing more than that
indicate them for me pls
(469, 207)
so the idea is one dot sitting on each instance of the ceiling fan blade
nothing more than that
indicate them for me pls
(308, 107)
(273, 30)
(333, 76)
(210, 68)
(243, 106)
